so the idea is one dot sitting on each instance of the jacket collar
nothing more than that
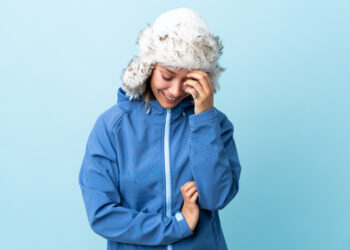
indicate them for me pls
(154, 107)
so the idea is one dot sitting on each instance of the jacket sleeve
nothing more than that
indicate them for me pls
(214, 160)
(107, 217)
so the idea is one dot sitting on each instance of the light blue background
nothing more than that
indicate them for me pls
(286, 90)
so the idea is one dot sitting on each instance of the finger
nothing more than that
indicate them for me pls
(194, 197)
(192, 92)
(190, 192)
(187, 185)
(197, 86)
(194, 83)
(203, 78)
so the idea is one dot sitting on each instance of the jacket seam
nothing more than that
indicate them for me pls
(116, 122)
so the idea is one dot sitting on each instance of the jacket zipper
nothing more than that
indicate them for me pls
(167, 166)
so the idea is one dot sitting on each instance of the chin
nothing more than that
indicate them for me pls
(168, 105)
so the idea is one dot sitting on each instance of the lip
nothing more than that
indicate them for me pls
(169, 100)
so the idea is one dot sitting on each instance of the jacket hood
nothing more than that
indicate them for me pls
(154, 105)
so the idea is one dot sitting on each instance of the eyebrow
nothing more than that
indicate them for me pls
(172, 71)
(168, 70)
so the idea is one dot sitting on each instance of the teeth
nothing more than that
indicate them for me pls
(170, 97)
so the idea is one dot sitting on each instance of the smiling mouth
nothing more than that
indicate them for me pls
(169, 99)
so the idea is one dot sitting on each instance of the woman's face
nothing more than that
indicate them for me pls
(167, 82)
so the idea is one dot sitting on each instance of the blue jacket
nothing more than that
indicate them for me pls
(135, 163)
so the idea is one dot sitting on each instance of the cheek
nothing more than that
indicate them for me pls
(160, 83)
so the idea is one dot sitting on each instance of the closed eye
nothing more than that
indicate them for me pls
(166, 79)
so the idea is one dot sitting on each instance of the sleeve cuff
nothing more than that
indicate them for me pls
(207, 115)
(181, 221)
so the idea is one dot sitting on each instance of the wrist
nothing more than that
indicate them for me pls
(187, 218)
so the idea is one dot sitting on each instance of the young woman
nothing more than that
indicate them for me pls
(160, 163)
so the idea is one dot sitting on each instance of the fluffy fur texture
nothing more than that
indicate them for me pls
(179, 38)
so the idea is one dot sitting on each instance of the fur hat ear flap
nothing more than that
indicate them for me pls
(135, 75)
(214, 76)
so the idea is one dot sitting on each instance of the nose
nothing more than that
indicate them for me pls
(176, 89)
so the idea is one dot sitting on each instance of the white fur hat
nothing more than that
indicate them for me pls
(179, 38)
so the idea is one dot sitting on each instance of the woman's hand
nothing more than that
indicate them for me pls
(190, 208)
(202, 90)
